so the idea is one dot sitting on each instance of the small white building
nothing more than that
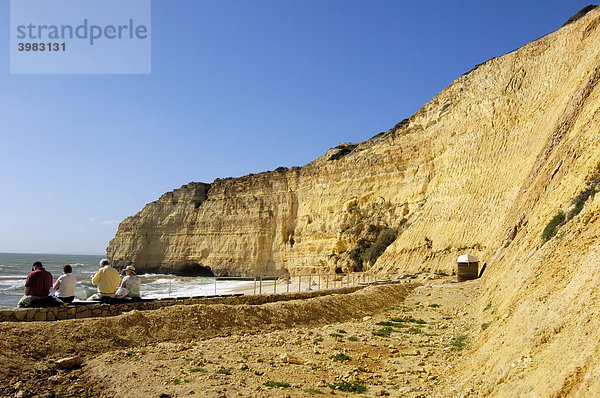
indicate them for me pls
(467, 267)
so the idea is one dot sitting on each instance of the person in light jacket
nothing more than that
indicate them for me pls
(107, 280)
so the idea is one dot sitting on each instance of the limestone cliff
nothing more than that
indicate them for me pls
(487, 167)
(449, 179)
(452, 175)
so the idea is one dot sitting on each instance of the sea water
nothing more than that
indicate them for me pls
(18, 265)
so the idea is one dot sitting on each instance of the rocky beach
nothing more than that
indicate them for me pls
(388, 340)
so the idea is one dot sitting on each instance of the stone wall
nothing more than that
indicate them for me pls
(93, 310)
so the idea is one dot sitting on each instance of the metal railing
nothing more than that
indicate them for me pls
(268, 285)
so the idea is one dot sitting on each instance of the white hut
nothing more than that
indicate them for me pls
(467, 267)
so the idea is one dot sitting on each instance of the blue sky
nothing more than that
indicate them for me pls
(237, 87)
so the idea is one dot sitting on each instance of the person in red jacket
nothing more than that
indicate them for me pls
(37, 288)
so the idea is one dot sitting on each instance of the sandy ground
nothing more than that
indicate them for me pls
(381, 341)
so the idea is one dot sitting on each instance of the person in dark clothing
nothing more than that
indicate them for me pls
(37, 288)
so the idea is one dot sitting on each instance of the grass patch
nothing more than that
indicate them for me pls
(459, 342)
(176, 382)
(341, 357)
(409, 320)
(336, 335)
(118, 340)
(277, 384)
(341, 331)
(485, 325)
(352, 338)
(349, 386)
(313, 391)
(318, 339)
(434, 305)
(392, 324)
(224, 371)
(383, 332)
(414, 330)
(487, 307)
(198, 370)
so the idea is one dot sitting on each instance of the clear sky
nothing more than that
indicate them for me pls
(237, 87)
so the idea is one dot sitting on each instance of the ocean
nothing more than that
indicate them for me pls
(18, 265)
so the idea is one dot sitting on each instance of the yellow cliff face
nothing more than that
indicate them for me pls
(461, 175)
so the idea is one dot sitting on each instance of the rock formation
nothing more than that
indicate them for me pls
(470, 171)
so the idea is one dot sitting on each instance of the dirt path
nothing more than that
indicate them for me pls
(406, 347)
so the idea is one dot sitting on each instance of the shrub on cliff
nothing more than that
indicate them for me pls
(552, 227)
(385, 238)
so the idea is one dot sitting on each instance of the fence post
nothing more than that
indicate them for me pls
(254, 285)
(309, 282)
(215, 285)
(288, 283)
(275, 287)
(319, 281)
(260, 285)
(327, 286)
(299, 282)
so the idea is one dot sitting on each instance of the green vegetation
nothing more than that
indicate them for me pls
(349, 386)
(336, 335)
(342, 331)
(580, 200)
(552, 228)
(385, 238)
(342, 150)
(485, 325)
(118, 340)
(592, 187)
(434, 305)
(340, 357)
(459, 342)
(352, 338)
(383, 332)
(393, 324)
(487, 307)
(414, 330)
(400, 124)
(368, 251)
(409, 319)
(176, 382)
(198, 370)
(277, 384)
(224, 371)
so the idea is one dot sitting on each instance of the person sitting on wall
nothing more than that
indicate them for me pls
(130, 285)
(37, 289)
(107, 279)
(65, 285)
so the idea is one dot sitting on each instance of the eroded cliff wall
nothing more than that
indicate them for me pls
(446, 181)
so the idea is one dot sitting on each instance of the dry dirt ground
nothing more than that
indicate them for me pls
(399, 340)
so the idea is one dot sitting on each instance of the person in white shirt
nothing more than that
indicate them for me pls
(65, 285)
